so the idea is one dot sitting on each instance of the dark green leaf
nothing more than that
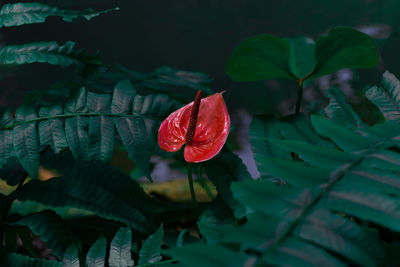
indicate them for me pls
(138, 133)
(76, 128)
(71, 256)
(181, 237)
(101, 128)
(6, 137)
(87, 186)
(387, 134)
(342, 48)
(345, 138)
(250, 235)
(262, 128)
(260, 57)
(385, 160)
(200, 255)
(25, 140)
(366, 203)
(251, 193)
(302, 56)
(47, 224)
(120, 249)
(296, 173)
(383, 181)
(13, 259)
(224, 169)
(317, 156)
(151, 249)
(51, 131)
(298, 127)
(97, 253)
(295, 252)
(342, 236)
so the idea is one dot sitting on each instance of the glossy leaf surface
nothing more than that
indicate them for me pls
(344, 47)
(260, 57)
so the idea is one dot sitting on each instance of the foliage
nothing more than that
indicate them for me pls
(46, 52)
(387, 97)
(327, 193)
(27, 13)
(266, 56)
(87, 124)
(330, 202)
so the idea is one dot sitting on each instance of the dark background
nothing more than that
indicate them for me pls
(199, 35)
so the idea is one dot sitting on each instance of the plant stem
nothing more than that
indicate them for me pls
(300, 92)
(203, 183)
(189, 168)
(299, 96)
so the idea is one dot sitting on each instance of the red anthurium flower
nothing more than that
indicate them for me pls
(203, 125)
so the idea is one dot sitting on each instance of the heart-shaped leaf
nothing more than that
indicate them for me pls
(260, 57)
(342, 48)
(302, 56)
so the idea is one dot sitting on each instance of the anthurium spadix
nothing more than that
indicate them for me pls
(203, 125)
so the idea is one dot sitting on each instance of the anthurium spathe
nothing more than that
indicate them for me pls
(203, 125)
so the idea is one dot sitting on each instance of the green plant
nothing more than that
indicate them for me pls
(301, 59)
(328, 192)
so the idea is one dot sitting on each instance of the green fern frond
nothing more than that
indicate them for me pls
(340, 111)
(71, 257)
(345, 179)
(96, 188)
(97, 253)
(120, 249)
(151, 249)
(8, 258)
(265, 128)
(295, 214)
(47, 224)
(47, 52)
(88, 124)
(27, 13)
(387, 97)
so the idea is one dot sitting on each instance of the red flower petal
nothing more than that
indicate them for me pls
(212, 129)
(171, 134)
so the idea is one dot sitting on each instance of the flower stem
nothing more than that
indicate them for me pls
(203, 183)
(189, 168)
